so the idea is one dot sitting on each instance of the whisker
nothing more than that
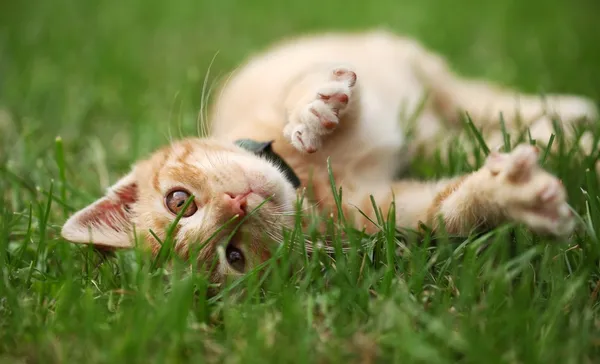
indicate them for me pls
(206, 123)
(229, 77)
(169, 135)
(200, 122)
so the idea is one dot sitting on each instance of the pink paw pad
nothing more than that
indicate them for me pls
(339, 98)
(325, 122)
(343, 74)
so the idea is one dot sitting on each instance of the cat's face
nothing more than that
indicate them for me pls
(225, 180)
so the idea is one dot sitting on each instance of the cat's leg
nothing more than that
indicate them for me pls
(317, 103)
(485, 101)
(451, 96)
(521, 112)
(509, 187)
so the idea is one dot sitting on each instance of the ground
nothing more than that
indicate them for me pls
(114, 80)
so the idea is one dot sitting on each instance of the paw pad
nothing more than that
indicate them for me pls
(344, 74)
(338, 98)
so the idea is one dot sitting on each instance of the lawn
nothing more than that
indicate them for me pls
(88, 87)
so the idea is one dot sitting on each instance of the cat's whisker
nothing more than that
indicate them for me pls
(201, 120)
(211, 162)
(169, 135)
(276, 238)
(317, 203)
(206, 123)
(224, 86)
(282, 208)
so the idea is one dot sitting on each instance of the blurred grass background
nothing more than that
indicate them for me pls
(115, 78)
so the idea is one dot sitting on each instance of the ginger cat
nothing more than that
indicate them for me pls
(341, 96)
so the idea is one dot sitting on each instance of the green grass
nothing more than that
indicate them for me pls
(114, 79)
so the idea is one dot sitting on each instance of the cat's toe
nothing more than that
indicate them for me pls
(556, 220)
(345, 75)
(541, 204)
(516, 166)
(548, 212)
(316, 121)
(521, 162)
(302, 138)
(327, 117)
(328, 104)
(550, 192)
(335, 99)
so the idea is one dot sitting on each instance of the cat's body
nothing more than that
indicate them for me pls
(347, 97)
(395, 74)
(279, 90)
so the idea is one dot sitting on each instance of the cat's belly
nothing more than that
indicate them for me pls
(381, 135)
(389, 93)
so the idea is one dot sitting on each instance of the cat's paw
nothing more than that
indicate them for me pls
(528, 194)
(322, 114)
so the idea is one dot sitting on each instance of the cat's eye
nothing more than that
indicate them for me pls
(175, 201)
(235, 258)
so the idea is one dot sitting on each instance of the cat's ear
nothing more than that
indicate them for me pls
(108, 221)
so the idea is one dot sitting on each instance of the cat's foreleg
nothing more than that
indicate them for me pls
(316, 105)
(452, 96)
(510, 187)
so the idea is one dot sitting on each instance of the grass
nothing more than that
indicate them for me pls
(113, 79)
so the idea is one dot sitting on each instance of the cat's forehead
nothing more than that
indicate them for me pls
(194, 148)
(190, 160)
(190, 152)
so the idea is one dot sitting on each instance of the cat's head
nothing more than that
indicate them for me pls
(225, 179)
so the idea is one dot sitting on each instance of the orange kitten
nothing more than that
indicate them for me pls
(347, 97)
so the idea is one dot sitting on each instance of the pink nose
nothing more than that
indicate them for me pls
(236, 203)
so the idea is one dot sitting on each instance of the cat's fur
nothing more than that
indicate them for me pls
(348, 97)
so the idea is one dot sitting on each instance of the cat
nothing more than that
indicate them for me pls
(347, 97)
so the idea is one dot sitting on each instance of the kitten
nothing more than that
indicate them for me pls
(348, 97)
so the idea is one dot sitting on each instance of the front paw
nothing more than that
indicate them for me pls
(311, 122)
(528, 194)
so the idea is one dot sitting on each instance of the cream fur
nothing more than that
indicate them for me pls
(350, 98)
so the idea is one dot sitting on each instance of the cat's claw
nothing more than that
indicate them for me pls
(322, 114)
(528, 194)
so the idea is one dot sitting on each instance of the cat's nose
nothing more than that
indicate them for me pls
(236, 203)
